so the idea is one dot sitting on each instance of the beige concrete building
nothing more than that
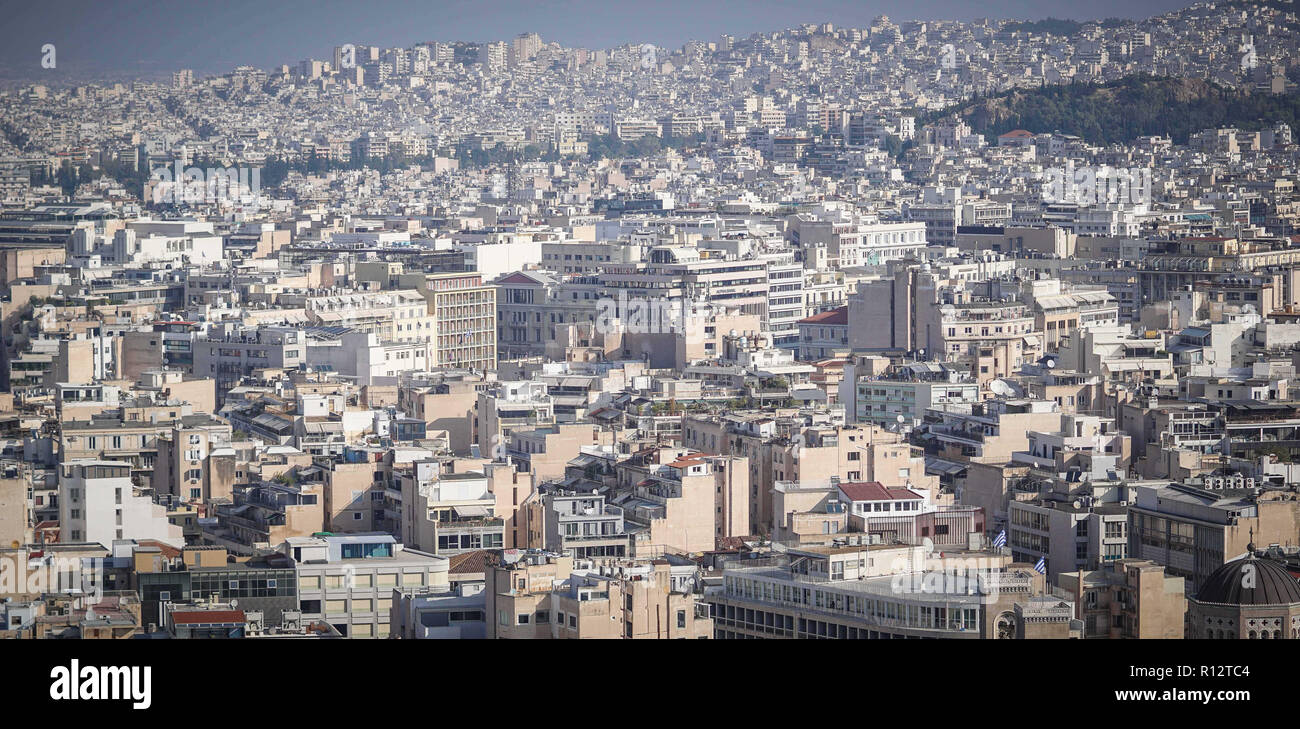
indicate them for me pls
(349, 581)
(464, 315)
(447, 406)
(545, 451)
(183, 464)
(15, 512)
(784, 450)
(547, 596)
(679, 501)
(1129, 598)
(1193, 531)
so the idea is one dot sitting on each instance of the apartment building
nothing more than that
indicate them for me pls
(430, 613)
(1193, 531)
(682, 501)
(448, 513)
(99, 503)
(1069, 534)
(1129, 598)
(581, 525)
(393, 316)
(539, 595)
(992, 431)
(265, 513)
(510, 405)
(349, 581)
(228, 353)
(904, 393)
(183, 466)
(882, 592)
(464, 317)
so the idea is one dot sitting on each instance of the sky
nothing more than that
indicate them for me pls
(149, 37)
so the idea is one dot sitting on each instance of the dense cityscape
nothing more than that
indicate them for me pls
(926, 329)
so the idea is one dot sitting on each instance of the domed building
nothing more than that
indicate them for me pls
(1249, 598)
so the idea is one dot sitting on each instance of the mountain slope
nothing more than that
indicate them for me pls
(1122, 110)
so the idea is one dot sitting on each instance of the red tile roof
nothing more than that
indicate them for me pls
(686, 461)
(468, 562)
(834, 316)
(167, 550)
(208, 616)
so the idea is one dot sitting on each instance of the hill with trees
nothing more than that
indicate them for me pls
(1120, 111)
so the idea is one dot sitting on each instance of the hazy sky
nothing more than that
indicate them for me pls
(151, 36)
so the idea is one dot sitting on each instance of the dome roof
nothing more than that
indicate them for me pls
(1250, 581)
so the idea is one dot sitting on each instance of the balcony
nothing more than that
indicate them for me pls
(474, 523)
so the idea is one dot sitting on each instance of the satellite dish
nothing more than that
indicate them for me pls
(234, 603)
(1051, 364)
(900, 419)
(1000, 387)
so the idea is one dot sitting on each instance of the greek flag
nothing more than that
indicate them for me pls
(1001, 540)
(1041, 567)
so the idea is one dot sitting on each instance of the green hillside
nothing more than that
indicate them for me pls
(1120, 111)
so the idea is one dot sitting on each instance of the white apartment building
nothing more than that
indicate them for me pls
(98, 503)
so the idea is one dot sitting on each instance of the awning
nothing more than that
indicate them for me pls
(471, 511)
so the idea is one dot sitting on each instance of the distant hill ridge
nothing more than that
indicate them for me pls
(1120, 111)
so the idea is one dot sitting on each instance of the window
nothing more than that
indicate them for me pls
(543, 617)
(681, 618)
(523, 619)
